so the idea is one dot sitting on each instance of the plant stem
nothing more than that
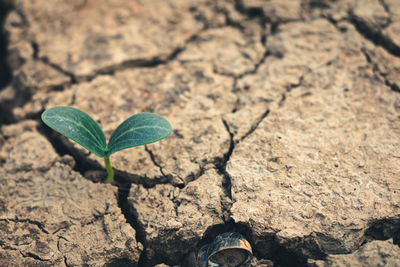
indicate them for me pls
(109, 169)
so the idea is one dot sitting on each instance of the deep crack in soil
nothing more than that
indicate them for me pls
(131, 218)
(383, 230)
(376, 37)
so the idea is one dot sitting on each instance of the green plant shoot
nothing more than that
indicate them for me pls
(139, 129)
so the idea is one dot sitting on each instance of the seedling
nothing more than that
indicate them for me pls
(140, 129)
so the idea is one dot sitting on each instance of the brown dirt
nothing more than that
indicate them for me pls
(286, 118)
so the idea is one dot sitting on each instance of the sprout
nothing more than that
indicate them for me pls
(139, 129)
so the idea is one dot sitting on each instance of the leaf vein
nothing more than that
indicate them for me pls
(115, 140)
(78, 124)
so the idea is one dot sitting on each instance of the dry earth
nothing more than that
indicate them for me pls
(286, 118)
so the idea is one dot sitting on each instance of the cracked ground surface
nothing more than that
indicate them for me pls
(286, 118)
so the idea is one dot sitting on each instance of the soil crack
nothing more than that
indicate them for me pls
(131, 218)
(66, 261)
(152, 157)
(377, 37)
(255, 126)
(257, 65)
(16, 220)
(251, 13)
(221, 163)
(124, 65)
(71, 76)
(46, 61)
(6, 247)
(137, 63)
(112, 69)
(384, 229)
(33, 256)
(393, 86)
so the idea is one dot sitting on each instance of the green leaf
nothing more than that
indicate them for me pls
(77, 126)
(140, 129)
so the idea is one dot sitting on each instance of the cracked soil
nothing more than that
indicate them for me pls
(286, 118)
